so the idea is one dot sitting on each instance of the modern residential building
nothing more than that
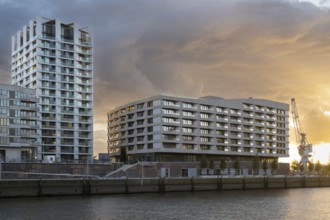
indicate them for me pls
(18, 123)
(168, 128)
(56, 59)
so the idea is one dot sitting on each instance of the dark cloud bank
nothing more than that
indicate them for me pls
(264, 49)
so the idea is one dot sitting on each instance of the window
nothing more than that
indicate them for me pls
(140, 146)
(4, 121)
(205, 139)
(189, 114)
(205, 107)
(169, 111)
(203, 115)
(219, 109)
(169, 103)
(3, 111)
(205, 123)
(169, 145)
(3, 92)
(280, 145)
(169, 137)
(234, 111)
(139, 114)
(4, 103)
(280, 125)
(187, 138)
(234, 134)
(131, 108)
(205, 131)
(169, 120)
(188, 146)
(140, 122)
(221, 125)
(169, 128)
(140, 106)
(222, 117)
(187, 105)
(205, 147)
(187, 122)
(187, 130)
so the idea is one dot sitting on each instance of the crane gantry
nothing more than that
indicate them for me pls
(304, 148)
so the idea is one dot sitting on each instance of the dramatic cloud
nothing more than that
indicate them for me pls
(273, 49)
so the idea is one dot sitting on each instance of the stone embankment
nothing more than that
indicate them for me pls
(69, 187)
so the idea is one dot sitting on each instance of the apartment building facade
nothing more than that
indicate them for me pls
(168, 128)
(56, 59)
(18, 124)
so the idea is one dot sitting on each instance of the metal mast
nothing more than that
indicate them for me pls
(304, 148)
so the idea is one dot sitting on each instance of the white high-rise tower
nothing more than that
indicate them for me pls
(57, 60)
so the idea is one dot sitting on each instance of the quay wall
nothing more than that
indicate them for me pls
(70, 187)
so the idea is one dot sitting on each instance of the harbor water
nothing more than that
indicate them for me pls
(300, 203)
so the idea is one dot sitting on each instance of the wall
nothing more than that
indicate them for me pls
(34, 188)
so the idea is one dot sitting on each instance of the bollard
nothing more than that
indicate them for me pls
(266, 182)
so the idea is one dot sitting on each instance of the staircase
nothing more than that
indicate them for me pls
(122, 168)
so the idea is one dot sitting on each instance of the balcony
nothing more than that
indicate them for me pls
(67, 111)
(82, 74)
(49, 118)
(81, 112)
(67, 48)
(67, 119)
(48, 126)
(83, 150)
(67, 127)
(67, 64)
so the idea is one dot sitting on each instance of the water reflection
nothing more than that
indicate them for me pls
(308, 203)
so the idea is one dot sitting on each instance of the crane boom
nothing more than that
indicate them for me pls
(304, 148)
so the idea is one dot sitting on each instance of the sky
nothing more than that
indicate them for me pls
(271, 49)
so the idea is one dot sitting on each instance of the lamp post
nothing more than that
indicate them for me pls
(87, 168)
(142, 164)
(1, 161)
(142, 168)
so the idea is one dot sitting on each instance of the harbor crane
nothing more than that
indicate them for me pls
(304, 148)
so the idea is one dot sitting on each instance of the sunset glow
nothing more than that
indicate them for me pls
(274, 49)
